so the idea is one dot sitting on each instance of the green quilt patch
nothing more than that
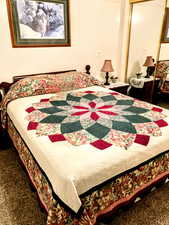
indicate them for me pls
(71, 127)
(124, 126)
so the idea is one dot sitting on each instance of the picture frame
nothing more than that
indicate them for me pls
(138, 1)
(39, 23)
(165, 30)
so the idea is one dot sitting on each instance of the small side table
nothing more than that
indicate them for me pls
(119, 87)
(5, 141)
(2, 94)
(148, 92)
(1, 131)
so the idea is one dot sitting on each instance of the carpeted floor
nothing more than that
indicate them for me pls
(19, 205)
(163, 101)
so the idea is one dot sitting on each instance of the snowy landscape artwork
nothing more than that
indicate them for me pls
(40, 20)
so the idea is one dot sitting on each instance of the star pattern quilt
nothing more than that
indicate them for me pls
(96, 117)
(84, 137)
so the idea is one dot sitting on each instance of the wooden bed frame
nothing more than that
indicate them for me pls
(3, 134)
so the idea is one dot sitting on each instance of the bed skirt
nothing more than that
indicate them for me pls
(98, 201)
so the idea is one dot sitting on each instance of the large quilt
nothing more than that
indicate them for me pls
(84, 137)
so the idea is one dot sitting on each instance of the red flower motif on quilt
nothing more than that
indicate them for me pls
(99, 118)
(93, 110)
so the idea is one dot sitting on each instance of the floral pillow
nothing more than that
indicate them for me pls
(51, 83)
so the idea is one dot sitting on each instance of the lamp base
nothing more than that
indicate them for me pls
(107, 79)
(148, 72)
(106, 83)
(147, 76)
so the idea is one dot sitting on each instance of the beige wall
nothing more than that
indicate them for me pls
(145, 34)
(94, 37)
(98, 32)
(123, 38)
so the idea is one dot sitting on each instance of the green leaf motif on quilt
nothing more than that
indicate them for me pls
(136, 110)
(73, 98)
(124, 126)
(59, 103)
(50, 110)
(98, 130)
(137, 119)
(124, 102)
(71, 127)
(90, 97)
(108, 98)
(53, 119)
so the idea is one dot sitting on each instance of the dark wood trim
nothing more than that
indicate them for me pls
(164, 39)
(36, 45)
(87, 68)
(9, 9)
(121, 89)
(4, 86)
(161, 61)
(138, 1)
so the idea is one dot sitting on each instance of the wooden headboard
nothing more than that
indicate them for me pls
(5, 85)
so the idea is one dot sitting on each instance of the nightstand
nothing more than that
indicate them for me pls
(5, 141)
(119, 87)
(4, 87)
(1, 97)
(148, 92)
(2, 94)
(1, 131)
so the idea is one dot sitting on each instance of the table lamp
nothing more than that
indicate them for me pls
(149, 63)
(107, 67)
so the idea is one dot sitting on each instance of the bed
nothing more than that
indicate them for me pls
(87, 150)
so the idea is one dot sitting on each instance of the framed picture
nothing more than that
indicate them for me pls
(39, 23)
(165, 32)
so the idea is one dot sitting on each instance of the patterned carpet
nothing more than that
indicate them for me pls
(164, 102)
(19, 205)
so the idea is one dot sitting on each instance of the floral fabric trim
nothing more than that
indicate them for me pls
(162, 70)
(44, 84)
(99, 118)
(165, 87)
(95, 202)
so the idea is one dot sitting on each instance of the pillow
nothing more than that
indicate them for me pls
(51, 83)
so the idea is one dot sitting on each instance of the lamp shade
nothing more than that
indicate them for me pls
(107, 67)
(149, 61)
